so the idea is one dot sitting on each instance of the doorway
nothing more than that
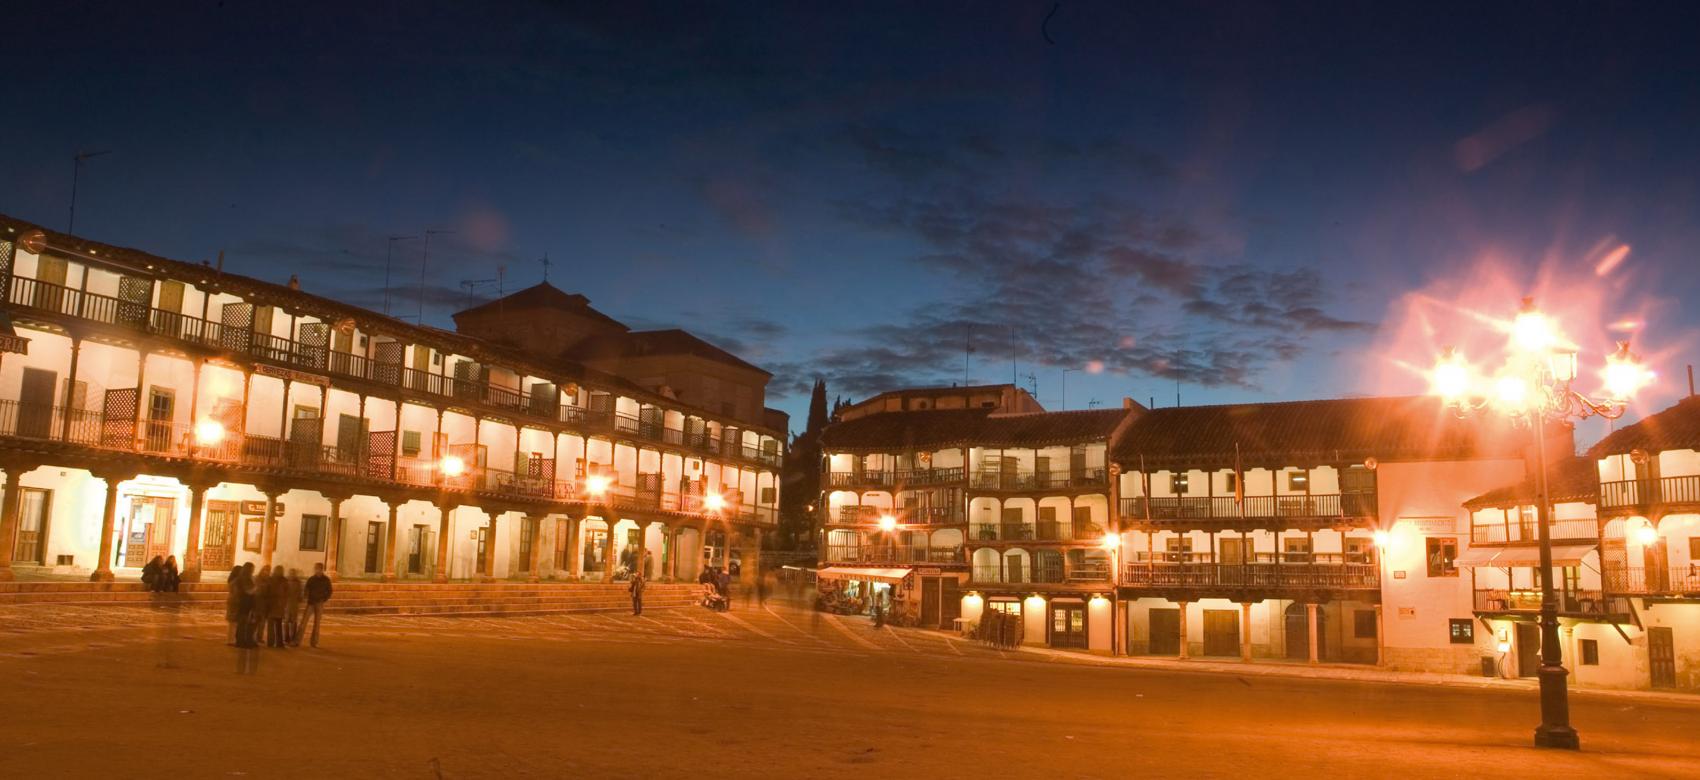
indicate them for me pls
(31, 546)
(1165, 631)
(1068, 625)
(1661, 656)
(35, 403)
(418, 542)
(1298, 632)
(162, 404)
(1221, 632)
(374, 541)
(218, 550)
(147, 530)
(1528, 649)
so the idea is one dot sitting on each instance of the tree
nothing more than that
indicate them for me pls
(799, 499)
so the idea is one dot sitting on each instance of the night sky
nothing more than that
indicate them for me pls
(1263, 203)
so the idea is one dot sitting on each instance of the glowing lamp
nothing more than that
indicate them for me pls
(1504, 647)
(1451, 377)
(1383, 538)
(1624, 374)
(1647, 535)
(452, 466)
(1111, 541)
(596, 484)
(208, 433)
(1511, 392)
(714, 502)
(888, 523)
(1533, 333)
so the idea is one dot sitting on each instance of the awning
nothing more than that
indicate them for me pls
(891, 576)
(1502, 557)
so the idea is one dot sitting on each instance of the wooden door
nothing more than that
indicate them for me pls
(388, 357)
(950, 602)
(419, 377)
(31, 545)
(118, 418)
(374, 547)
(481, 565)
(314, 344)
(162, 407)
(218, 546)
(35, 403)
(50, 292)
(1068, 625)
(563, 541)
(1042, 472)
(1221, 632)
(528, 538)
(167, 318)
(930, 600)
(416, 549)
(1661, 656)
(350, 431)
(1165, 631)
(1077, 465)
(1655, 560)
(1013, 569)
(1006, 473)
(1528, 649)
(1232, 551)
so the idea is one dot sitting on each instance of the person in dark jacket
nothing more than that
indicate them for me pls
(247, 606)
(233, 603)
(150, 573)
(292, 609)
(636, 588)
(318, 591)
(169, 577)
(276, 598)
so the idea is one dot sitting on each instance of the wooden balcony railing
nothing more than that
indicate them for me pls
(893, 554)
(1250, 575)
(1520, 532)
(1043, 480)
(1192, 508)
(1643, 493)
(1055, 570)
(1639, 581)
(1584, 603)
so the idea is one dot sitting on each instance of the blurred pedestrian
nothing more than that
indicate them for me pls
(292, 610)
(761, 591)
(636, 588)
(318, 591)
(169, 577)
(233, 603)
(276, 605)
(150, 574)
(247, 606)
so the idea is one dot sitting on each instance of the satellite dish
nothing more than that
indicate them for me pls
(1370, 463)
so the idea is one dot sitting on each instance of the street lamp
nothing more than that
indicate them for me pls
(1535, 388)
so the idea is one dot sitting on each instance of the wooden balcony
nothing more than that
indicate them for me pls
(1675, 581)
(902, 555)
(1082, 479)
(1317, 510)
(1040, 531)
(1643, 496)
(895, 479)
(1577, 604)
(1516, 532)
(1255, 576)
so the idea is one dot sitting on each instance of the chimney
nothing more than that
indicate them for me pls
(1127, 403)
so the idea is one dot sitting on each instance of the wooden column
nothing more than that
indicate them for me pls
(1245, 631)
(108, 521)
(574, 565)
(333, 537)
(490, 547)
(1310, 613)
(445, 513)
(1380, 639)
(1185, 650)
(269, 546)
(9, 520)
(535, 573)
(71, 387)
(192, 550)
(389, 541)
(611, 556)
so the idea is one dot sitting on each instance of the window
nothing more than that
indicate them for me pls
(312, 532)
(1178, 483)
(410, 444)
(253, 533)
(1363, 624)
(1463, 631)
(768, 496)
(1178, 549)
(1297, 481)
(1590, 652)
(1442, 551)
(1230, 482)
(1006, 607)
(1694, 549)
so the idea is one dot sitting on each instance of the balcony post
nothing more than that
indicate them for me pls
(533, 570)
(1380, 638)
(611, 555)
(574, 527)
(1186, 651)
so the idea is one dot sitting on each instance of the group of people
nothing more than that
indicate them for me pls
(160, 575)
(275, 606)
(716, 588)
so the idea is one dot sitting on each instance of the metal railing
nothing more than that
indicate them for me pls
(1250, 507)
(1250, 575)
(1630, 493)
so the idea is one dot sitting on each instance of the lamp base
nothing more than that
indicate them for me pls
(1557, 737)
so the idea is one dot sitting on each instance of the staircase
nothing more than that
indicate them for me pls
(377, 598)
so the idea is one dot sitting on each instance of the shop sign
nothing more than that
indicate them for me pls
(259, 508)
(292, 375)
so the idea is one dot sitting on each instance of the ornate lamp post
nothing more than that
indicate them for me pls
(1535, 388)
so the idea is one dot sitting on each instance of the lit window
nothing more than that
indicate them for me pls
(1442, 552)
(1178, 483)
(1463, 631)
(1590, 652)
(1297, 481)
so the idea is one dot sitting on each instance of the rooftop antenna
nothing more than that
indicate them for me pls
(967, 349)
(1012, 353)
(423, 258)
(1094, 403)
(544, 260)
(471, 286)
(1033, 384)
(76, 173)
(389, 254)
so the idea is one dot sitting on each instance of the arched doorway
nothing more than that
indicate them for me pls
(1298, 631)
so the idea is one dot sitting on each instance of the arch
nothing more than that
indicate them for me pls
(987, 565)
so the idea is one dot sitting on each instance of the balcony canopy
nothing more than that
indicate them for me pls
(888, 576)
(1507, 557)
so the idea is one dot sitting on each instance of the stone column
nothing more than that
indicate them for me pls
(333, 536)
(613, 554)
(1185, 650)
(108, 521)
(574, 564)
(445, 512)
(192, 549)
(535, 570)
(490, 548)
(269, 546)
(388, 546)
(1310, 613)
(1245, 631)
(9, 521)
(1380, 639)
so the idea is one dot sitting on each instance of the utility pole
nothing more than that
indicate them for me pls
(545, 263)
(389, 254)
(76, 173)
(1065, 373)
(423, 259)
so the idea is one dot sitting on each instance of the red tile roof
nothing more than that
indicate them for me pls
(1568, 480)
(615, 346)
(543, 295)
(1676, 428)
(903, 431)
(1296, 432)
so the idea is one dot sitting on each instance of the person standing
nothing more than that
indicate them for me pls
(247, 606)
(636, 588)
(276, 607)
(292, 610)
(233, 604)
(318, 592)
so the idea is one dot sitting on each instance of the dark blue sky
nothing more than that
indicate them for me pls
(1265, 202)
